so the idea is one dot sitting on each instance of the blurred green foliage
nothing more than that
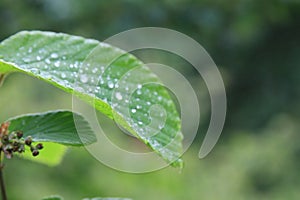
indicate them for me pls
(256, 45)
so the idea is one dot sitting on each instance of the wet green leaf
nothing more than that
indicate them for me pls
(115, 82)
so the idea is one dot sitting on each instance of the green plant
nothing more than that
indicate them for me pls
(61, 60)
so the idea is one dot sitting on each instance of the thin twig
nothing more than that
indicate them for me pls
(2, 185)
(2, 76)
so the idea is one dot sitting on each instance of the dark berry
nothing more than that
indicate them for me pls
(12, 136)
(19, 134)
(8, 148)
(35, 152)
(39, 146)
(5, 139)
(28, 141)
(21, 148)
(15, 143)
(15, 148)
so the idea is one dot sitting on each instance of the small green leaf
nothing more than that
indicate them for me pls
(53, 198)
(54, 126)
(115, 82)
(98, 198)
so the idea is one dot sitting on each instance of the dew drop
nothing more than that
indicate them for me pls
(139, 86)
(54, 55)
(26, 60)
(42, 51)
(95, 70)
(47, 76)
(76, 64)
(111, 85)
(35, 71)
(139, 92)
(80, 89)
(97, 90)
(138, 107)
(133, 110)
(56, 64)
(92, 80)
(75, 75)
(63, 75)
(84, 78)
(48, 61)
(38, 58)
(119, 96)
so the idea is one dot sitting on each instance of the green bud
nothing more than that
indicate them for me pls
(12, 136)
(5, 139)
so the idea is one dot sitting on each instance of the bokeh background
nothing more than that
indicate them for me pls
(256, 46)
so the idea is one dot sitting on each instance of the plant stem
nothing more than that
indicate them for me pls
(2, 76)
(2, 185)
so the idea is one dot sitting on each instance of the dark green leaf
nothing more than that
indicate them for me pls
(98, 198)
(115, 82)
(54, 126)
(53, 198)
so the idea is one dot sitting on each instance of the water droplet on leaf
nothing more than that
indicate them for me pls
(119, 96)
(133, 110)
(54, 55)
(111, 85)
(56, 64)
(84, 78)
